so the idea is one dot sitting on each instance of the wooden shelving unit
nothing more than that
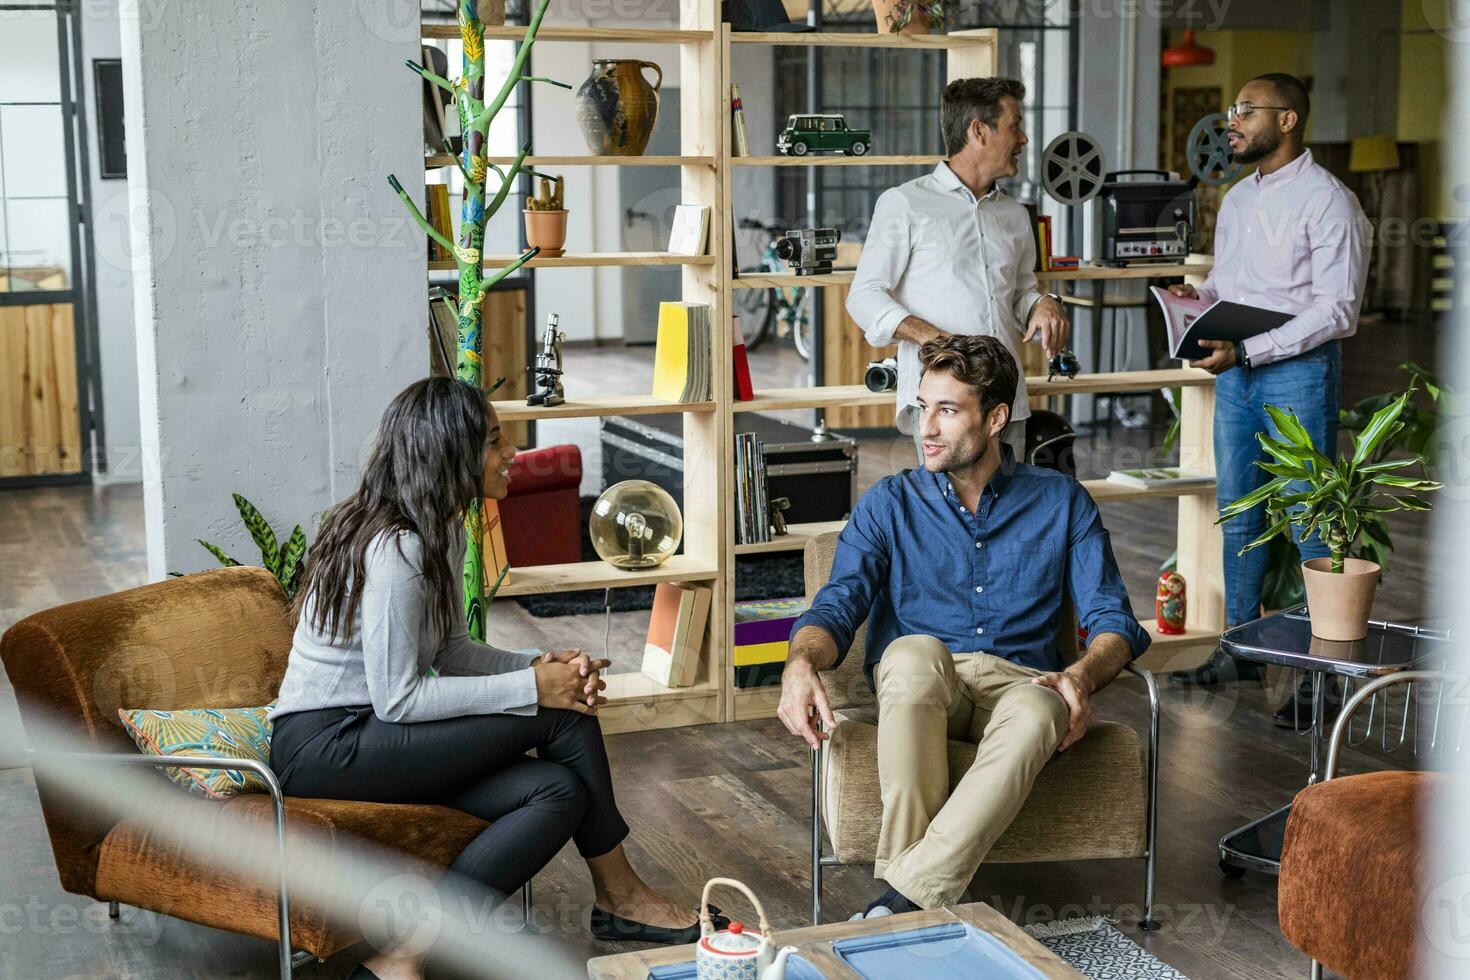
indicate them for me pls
(1088, 273)
(705, 167)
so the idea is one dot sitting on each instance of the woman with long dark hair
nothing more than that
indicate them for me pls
(387, 699)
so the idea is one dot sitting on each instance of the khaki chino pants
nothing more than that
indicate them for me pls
(932, 841)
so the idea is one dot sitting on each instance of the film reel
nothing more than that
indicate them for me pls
(1072, 168)
(1208, 151)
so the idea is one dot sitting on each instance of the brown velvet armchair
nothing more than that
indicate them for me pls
(1096, 800)
(215, 639)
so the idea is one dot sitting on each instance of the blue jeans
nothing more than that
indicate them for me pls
(1307, 385)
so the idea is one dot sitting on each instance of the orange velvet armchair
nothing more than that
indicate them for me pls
(216, 639)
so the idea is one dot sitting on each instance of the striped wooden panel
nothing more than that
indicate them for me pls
(40, 425)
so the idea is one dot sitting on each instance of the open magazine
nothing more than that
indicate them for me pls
(1191, 320)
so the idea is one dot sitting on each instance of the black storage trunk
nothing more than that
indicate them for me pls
(819, 477)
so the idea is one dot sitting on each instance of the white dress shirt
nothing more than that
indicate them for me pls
(1296, 241)
(966, 265)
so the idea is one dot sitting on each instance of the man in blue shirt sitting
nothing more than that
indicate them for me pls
(960, 569)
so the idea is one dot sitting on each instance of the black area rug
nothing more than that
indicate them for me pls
(771, 576)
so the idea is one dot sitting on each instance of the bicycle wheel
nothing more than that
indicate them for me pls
(757, 309)
(802, 337)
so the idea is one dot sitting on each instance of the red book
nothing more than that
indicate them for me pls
(744, 390)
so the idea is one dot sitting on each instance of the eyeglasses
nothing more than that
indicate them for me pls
(1238, 109)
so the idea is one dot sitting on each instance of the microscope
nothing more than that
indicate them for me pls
(548, 370)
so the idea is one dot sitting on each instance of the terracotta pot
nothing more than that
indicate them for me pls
(919, 23)
(1339, 603)
(616, 107)
(547, 229)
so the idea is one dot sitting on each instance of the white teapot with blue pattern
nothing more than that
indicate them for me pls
(737, 953)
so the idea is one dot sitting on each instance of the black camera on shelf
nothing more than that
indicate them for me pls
(1065, 364)
(809, 251)
(882, 375)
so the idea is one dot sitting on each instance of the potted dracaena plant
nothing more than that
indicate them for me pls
(1335, 500)
(909, 16)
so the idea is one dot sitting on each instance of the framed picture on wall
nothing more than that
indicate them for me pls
(112, 152)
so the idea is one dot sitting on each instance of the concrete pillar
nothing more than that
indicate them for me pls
(1355, 68)
(279, 289)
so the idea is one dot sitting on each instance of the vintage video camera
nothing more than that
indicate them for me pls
(882, 375)
(809, 251)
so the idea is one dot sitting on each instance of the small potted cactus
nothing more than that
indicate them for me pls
(546, 219)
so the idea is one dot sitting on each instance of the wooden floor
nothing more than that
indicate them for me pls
(735, 799)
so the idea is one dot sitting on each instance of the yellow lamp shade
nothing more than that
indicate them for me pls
(1378, 152)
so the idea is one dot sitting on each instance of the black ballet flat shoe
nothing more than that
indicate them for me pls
(612, 928)
(363, 973)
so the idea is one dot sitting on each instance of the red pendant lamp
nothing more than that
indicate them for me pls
(1188, 54)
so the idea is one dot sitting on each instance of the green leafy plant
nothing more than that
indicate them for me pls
(282, 561)
(902, 13)
(549, 198)
(1336, 500)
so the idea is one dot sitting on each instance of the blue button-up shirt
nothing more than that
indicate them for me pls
(912, 559)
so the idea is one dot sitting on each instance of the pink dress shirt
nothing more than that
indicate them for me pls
(1296, 241)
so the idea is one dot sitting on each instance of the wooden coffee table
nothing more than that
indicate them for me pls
(815, 944)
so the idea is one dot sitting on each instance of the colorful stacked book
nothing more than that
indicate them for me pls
(681, 364)
(442, 220)
(1043, 243)
(752, 511)
(762, 639)
(676, 633)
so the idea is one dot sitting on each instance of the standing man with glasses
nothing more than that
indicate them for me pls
(1290, 237)
(950, 253)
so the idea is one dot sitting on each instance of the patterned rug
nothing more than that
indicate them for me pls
(1099, 951)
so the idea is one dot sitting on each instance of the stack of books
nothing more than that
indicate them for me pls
(681, 364)
(752, 513)
(744, 391)
(676, 633)
(763, 638)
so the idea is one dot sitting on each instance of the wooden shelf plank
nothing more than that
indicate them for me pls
(634, 686)
(1088, 273)
(518, 411)
(445, 160)
(843, 396)
(1189, 638)
(794, 540)
(828, 396)
(774, 280)
(1120, 381)
(919, 42)
(580, 259)
(1104, 491)
(752, 703)
(512, 32)
(839, 160)
(539, 579)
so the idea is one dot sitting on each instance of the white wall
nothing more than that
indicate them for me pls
(117, 344)
(280, 291)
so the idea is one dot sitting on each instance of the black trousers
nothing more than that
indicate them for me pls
(477, 764)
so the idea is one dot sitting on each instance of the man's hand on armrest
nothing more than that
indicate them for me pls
(917, 330)
(803, 699)
(1107, 655)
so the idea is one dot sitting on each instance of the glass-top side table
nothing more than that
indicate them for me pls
(1285, 638)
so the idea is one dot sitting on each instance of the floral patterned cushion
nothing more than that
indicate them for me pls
(231, 733)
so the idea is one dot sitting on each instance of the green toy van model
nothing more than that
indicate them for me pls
(809, 133)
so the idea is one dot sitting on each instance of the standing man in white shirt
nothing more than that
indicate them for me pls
(1290, 237)
(951, 253)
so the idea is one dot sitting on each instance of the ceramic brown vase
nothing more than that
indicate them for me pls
(617, 107)
(1339, 602)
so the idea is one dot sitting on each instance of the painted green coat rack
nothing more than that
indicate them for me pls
(475, 117)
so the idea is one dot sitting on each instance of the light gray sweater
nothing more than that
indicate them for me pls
(386, 662)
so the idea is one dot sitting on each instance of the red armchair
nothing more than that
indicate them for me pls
(541, 517)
